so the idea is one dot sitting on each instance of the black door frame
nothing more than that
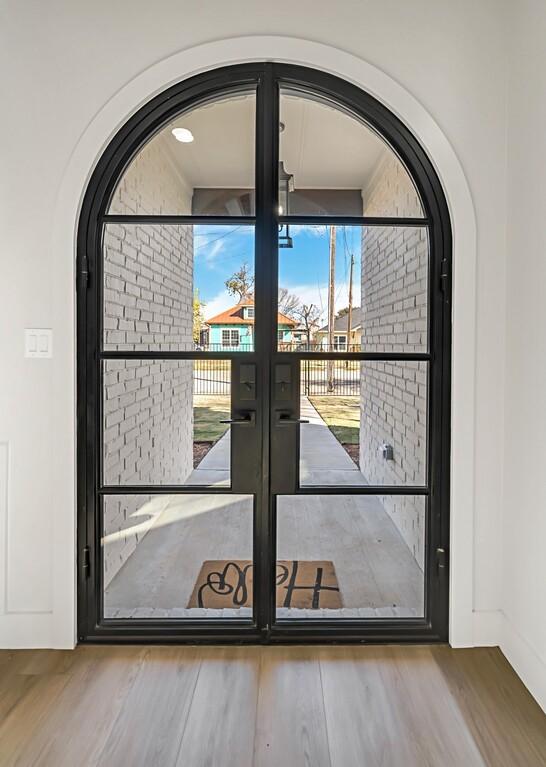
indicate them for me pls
(265, 78)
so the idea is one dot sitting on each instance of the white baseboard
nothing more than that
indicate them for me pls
(525, 661)
(20, 631)
(493, 629)
(487, 628)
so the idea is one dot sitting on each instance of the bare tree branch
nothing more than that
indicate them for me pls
(289, 303)
(308, 315)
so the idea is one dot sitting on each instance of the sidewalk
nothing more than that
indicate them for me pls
(323, 461)
(214, 468)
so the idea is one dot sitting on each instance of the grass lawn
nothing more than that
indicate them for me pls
(208, 411)
(341, 415)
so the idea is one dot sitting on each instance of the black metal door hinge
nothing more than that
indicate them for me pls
(86, 562)
(84, 272)
(441, 561)
(445, 277)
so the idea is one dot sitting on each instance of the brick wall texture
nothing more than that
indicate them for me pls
(147, 405)
(394, 318)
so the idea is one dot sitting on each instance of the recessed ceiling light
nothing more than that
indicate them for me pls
(183, 134)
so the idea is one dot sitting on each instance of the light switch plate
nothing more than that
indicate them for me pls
(38, 342)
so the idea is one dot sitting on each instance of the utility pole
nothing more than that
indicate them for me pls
(350, 312)
(331, 305)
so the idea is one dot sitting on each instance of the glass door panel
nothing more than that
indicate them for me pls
(165, 422)
(200, 163)
(357, 557)
(334, 164)
(366, 422)
(173, 557)
(177, 287)
(353, 288)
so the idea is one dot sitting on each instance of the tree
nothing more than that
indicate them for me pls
(289, 303)
(241, 284)
(308, 315)
(198, 317)
(343, 312)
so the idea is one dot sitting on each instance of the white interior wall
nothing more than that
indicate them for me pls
(73, 58)
(523, 622)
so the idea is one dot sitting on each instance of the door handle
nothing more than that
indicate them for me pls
(285, 419)
(246, 419)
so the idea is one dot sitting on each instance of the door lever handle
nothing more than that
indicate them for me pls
(285, 419)
(246, 419)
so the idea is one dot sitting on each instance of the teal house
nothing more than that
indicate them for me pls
(233, 330)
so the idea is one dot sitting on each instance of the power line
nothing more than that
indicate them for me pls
(220, 237)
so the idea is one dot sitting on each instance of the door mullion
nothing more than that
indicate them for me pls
(267, 119)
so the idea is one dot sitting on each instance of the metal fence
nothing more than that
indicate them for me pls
(318, 377)
(212, 377)
(339, 378)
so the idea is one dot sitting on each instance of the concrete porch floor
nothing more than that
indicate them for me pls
(377, 573)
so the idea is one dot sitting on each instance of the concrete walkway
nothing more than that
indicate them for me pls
(323, 461)
(214, 468)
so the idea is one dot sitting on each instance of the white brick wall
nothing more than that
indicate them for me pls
(390, 191)
(394, 289)
(147, 405)
(153, 183)
(394, 318)
(393, 411)
(148, 287)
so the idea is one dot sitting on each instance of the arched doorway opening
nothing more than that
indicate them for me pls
(264, 357)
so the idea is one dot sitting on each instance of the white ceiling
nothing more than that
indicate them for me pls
(323, 147)
(222, 153)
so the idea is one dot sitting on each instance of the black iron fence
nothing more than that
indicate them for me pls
(318, 377)
(212, 377)
(334, 377)
(283, 346)
(224, 347)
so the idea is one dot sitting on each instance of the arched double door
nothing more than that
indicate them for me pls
(263, 369)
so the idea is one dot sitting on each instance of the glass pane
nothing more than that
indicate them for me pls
(351, 288)
(367, 423)
(165, 288)
(162, 422)
(333, 163)
(394, 289)
(350, 556)
(164, 556)
(201, 163)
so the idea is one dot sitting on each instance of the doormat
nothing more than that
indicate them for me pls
(225, 583)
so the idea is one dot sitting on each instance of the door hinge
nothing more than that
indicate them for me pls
(86, 562)
(445, 277)
(441, 560)
(84, 272)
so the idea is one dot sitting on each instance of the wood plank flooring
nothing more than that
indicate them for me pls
(347, 706)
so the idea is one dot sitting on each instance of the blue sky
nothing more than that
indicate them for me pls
(303, 269)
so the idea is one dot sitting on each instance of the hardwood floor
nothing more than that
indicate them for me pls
(222, 706)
